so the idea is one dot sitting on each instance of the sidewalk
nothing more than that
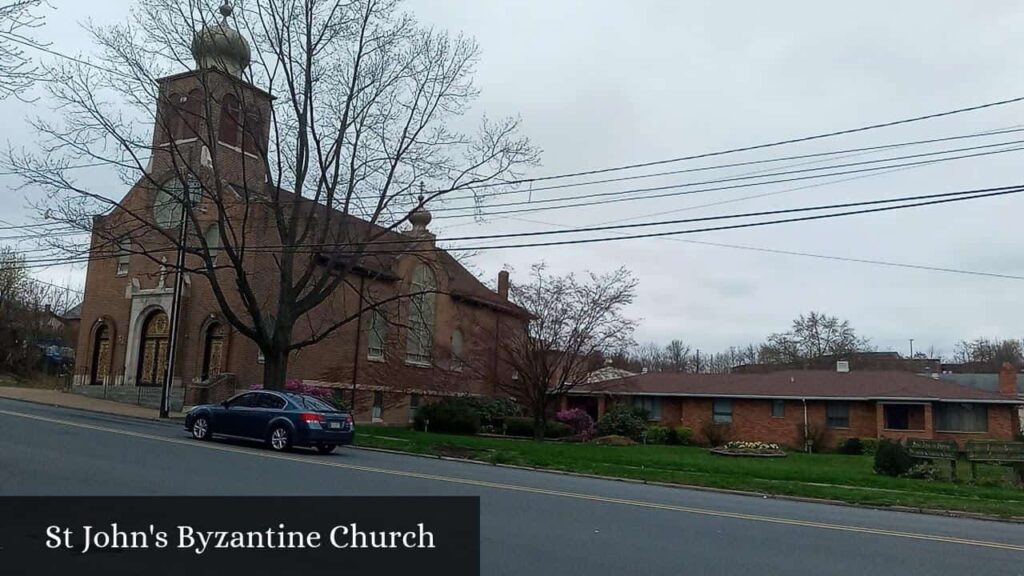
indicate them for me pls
(69, 400)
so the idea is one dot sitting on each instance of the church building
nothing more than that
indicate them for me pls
(443, 340)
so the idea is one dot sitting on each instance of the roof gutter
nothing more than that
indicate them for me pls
(802, 398)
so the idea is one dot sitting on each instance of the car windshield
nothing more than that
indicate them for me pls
(311, 403)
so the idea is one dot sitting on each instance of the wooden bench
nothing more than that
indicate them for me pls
(997, 453)
(935, 450)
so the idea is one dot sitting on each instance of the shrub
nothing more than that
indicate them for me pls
(581, 423)
(622, 420)
(523, 426)
(493, 410)
(451, 415)
(870, 445)
(657, 434)
(813, 435)
(850, 446)
(892, 459)
(681, 436)
(715, 434)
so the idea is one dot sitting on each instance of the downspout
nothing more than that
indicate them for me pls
(355, 359)
(807, 440)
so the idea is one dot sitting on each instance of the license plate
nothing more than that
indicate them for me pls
(334, 425)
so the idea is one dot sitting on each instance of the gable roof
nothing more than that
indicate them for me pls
(796, 384)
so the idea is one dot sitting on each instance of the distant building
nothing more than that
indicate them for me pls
(855, 361)
(777, 406)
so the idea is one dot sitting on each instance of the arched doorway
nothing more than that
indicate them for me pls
(153, 350)
(100, 356)
(213, 350)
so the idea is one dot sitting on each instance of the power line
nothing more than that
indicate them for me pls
(738, 178)
(718, 188)
(756, 146)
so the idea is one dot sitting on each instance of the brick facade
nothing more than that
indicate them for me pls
(752, 420)
(121, 296)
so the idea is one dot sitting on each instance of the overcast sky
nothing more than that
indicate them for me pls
(602, 84)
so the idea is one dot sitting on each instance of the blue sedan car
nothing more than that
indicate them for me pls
(281, 419)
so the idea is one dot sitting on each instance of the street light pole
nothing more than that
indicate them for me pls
(179, 284)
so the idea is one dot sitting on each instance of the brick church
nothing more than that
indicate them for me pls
(443, 340)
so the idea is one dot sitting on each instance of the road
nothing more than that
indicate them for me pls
(531, 522)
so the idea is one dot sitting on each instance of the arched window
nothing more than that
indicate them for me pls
(192, 114)
(172, 117)
(101, 351)
(213, 350)
(253, 131)
(420, 342)
(457, 361)
(153, 350)
(377, 337)
(229, 131)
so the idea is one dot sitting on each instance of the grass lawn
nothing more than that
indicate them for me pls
(831, 476)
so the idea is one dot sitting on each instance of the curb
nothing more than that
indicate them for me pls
(762, 495)
(173, 420)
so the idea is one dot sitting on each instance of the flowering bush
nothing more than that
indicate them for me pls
(753, 447)
(581, 423)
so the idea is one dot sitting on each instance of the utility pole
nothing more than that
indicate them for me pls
(179, 284)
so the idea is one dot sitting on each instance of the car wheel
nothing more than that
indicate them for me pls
(325, 448)
(201, 428)
(280, 439)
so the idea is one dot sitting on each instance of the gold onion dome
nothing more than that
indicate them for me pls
(221, 46)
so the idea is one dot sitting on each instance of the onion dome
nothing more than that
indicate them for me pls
(221, 46)
(420, 217)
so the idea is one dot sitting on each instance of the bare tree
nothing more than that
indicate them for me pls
(812, 336)
(989, 354)
(29, 312)
(17, 19)
(365, 100)
(677, 356)
(575, 322)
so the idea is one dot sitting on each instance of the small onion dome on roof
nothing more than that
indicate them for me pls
(221, 46)
(420, 217)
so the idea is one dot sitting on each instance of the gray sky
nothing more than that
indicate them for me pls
(608, 83)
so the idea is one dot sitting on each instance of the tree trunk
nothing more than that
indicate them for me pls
(539, 420)
(275, 368)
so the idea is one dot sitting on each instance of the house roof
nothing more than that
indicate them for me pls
(796, 384)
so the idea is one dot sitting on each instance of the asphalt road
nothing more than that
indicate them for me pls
(531, 522)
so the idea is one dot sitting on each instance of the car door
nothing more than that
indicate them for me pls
(236, 413)
(267, 407)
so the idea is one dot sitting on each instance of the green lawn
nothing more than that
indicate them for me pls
(831, 476)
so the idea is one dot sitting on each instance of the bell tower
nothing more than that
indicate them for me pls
(214, 110)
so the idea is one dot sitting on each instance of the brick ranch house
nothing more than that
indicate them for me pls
(775, 407)
(386, 361)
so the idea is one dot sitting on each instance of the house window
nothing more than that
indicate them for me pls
(456, 360)
(778, 408)
(650, 404)
(837, 414)
(378, 406)
(124, 253)
(903, 416)
(721, 411)
(414, 405)
(377, 336)
(421, 317)
(961, 417)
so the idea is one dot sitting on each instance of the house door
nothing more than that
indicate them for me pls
(153, 350)
(100, 357)
(213, 351)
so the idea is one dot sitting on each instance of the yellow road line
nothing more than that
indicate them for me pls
(533, 490)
